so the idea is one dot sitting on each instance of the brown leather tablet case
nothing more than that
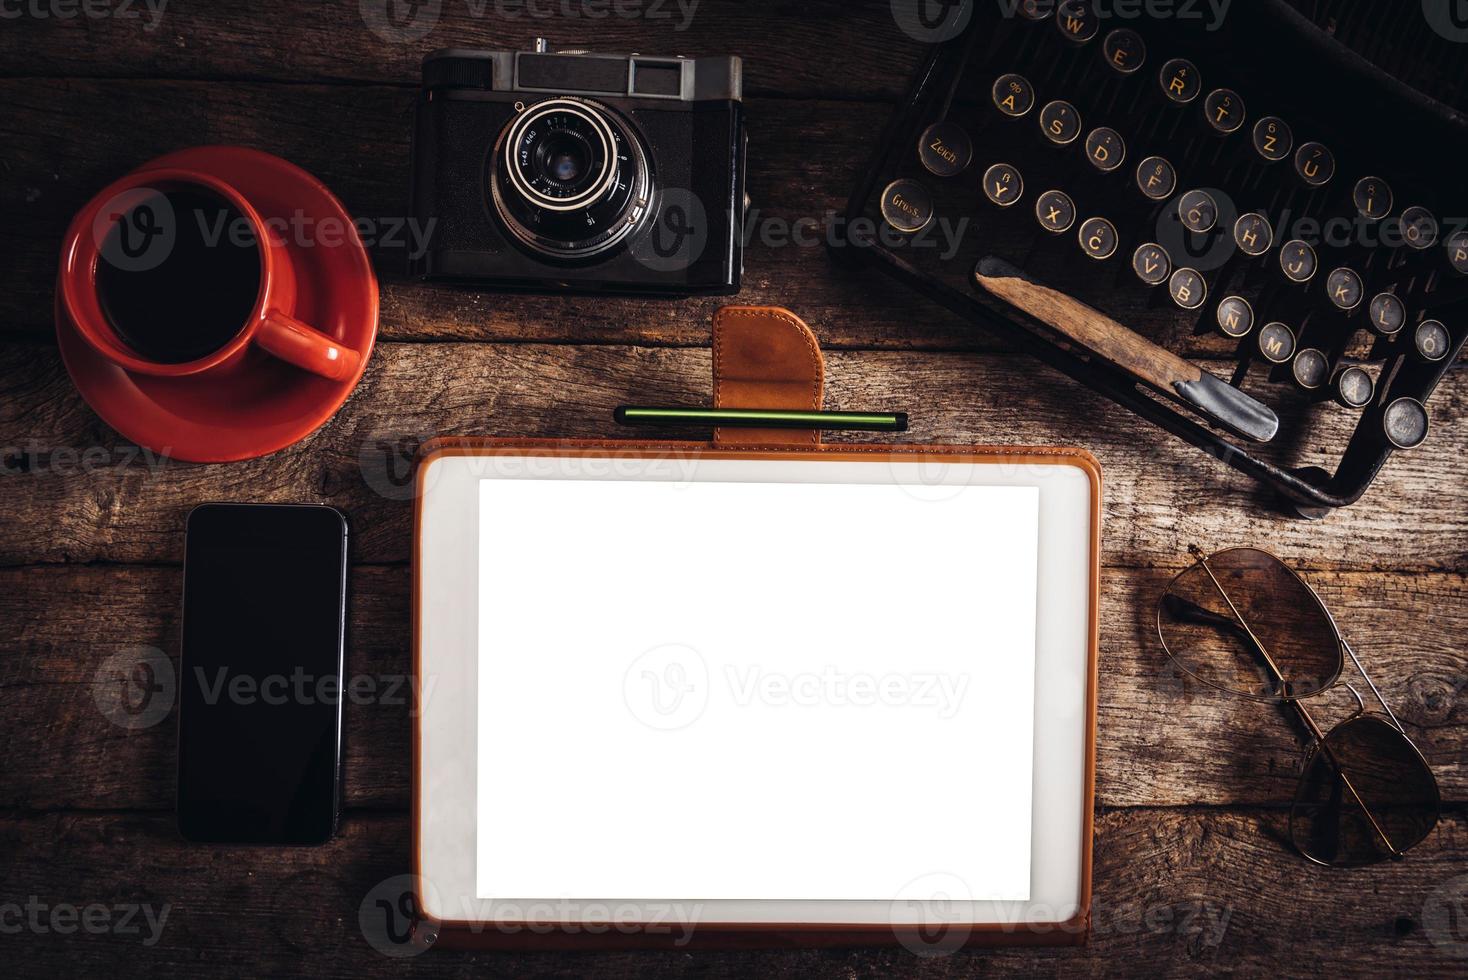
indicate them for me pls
(766, 357)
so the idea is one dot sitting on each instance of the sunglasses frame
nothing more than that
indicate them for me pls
(1318, 737)
(1340, 641)
(1394, 853)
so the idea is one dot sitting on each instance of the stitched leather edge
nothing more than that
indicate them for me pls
(757, 313)
(637, 445)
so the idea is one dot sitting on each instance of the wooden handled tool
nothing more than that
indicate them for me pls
(1149, 363)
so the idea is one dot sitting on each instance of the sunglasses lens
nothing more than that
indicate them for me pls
(1363, 761)
(1301, 652)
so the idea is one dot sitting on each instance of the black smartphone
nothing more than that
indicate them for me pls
(260, 675)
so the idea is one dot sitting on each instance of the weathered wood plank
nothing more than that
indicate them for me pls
(1176, 893)
(84, 104)
(1163, 738)
(117, 126)
(805, 158)
(1161, 493)
(258, 40)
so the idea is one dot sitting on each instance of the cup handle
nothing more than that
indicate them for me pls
(307, 348)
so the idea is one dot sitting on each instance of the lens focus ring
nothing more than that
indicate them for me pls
(569, 178)
(550, 134)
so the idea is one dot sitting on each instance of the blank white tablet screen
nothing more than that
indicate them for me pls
(754, 690)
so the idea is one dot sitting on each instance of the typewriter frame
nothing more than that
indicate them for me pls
(1307, 492)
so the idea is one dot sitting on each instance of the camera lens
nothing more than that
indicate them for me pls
(560, 156)
(569, 178)
(565, 165)
(564, 158)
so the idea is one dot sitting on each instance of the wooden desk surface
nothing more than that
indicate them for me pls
(1191, 871)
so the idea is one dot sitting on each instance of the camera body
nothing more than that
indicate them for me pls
(580, 171)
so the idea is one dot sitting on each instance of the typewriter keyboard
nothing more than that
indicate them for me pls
(1293, 227)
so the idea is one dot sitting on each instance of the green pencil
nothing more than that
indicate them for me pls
(762, 418)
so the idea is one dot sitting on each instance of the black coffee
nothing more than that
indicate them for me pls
(179, 275)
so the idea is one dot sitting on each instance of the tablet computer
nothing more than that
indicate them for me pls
(676, 693)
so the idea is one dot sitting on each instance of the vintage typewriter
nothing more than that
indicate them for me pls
(1244, 229)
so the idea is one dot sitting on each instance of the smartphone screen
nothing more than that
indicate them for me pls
(260, 684)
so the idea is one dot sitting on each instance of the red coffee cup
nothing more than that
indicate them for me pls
(270, 325)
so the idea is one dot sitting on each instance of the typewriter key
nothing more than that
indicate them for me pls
(1060, 122)
(1252, 234)
(1077, 20)
(1156, 178)
(1013, 95)
(1003, 184)
(1235, 316)
(1056, 211)
(1315, 164)
(1388, 314)
(907, 205)
(1404, 423)
(1345, 289)
(1036, 10)
(1432, 340)
(1276, 343)
(1419, 228)
(1273, 139)
(945, 149)
(1180, 81)
(1310, 369)
(1188, 288)
(1353, 387)
(1373, 198)
(1198, 211)
(1297, 261)
(1151, 264)
(1224, 109)
(1457, 246)
(1098, 238)
(1105, 149)
(1124, 49)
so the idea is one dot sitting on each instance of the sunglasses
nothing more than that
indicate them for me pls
(1243, 622)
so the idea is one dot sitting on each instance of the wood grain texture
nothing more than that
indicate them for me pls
(257, 40)
(120, 125)
(67, 139)
(102, 500)
(1090, 328)
(1165, 740)
(1192, 874)
(1178, 893)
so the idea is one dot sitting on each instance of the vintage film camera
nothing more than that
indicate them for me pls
(580, 171)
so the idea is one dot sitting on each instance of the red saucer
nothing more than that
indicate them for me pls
(265, 404)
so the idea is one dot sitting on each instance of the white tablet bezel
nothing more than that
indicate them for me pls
(446, 642)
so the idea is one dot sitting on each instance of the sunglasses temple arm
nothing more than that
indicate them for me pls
(1372, 684)
(1324, 747)
(1258, 644)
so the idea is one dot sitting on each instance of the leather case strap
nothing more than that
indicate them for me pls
(765, 357)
